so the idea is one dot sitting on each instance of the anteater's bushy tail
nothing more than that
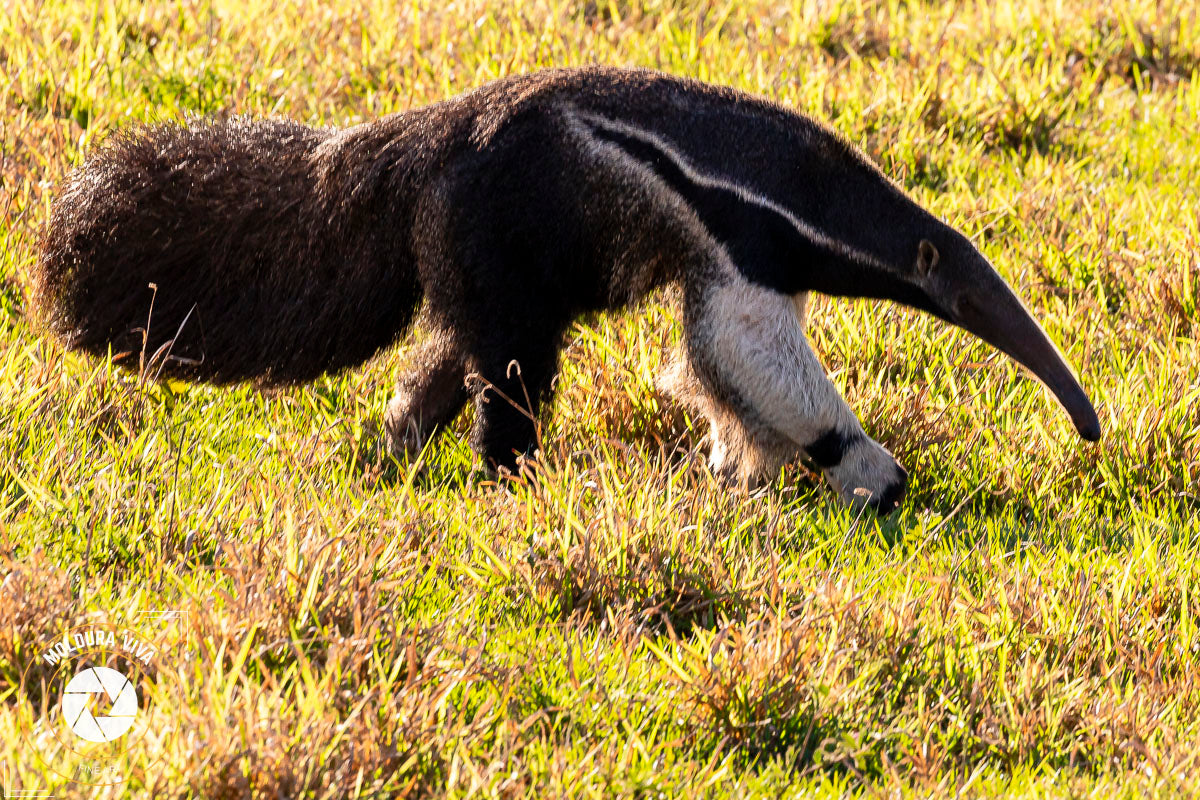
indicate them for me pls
(226, 251)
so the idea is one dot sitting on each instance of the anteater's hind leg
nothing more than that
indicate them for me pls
(748, 349)
(431, 394)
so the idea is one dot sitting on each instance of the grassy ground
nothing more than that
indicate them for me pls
(622, 625)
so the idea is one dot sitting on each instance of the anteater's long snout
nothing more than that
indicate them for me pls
(974, 297)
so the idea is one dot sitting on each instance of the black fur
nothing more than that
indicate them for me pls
(829, 448)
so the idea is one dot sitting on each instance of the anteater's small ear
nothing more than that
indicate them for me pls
(927, 258)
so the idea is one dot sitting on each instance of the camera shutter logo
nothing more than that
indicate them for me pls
(93, 691)
(99, 704)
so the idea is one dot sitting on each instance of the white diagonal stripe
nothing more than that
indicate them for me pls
(744, 193)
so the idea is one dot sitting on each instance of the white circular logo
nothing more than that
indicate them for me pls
(99, 704)
(92, 691)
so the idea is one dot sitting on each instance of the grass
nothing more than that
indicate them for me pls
(621, 625)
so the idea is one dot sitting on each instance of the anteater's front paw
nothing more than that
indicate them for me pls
(869, 475)
(747, 458)
(731, 468)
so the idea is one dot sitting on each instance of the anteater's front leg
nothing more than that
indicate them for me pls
(514, 369)
(742, 451)
(748, 349)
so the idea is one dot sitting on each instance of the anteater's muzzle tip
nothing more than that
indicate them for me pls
(1087, 423)
(1044, 360)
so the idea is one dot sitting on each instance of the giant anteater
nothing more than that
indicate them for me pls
(265, 250)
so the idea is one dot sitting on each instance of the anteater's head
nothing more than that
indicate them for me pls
(891, 248)
(959, 285)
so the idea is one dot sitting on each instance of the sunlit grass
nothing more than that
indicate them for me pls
(621, 625)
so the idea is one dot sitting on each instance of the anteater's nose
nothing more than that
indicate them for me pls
(890, 499)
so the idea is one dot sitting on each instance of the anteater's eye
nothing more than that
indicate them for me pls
(927, 257)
